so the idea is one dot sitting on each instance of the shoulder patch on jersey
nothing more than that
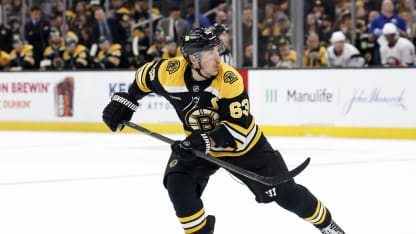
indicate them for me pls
(230, 77)
(173, 66)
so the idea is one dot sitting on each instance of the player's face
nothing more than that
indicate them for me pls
(339, 46)
(210, 61)
(390, 38)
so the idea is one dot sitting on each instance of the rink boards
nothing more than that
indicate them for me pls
(350, 103)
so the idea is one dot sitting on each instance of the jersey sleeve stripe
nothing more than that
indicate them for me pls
(242, 130)
(141, 78)
(244, 140)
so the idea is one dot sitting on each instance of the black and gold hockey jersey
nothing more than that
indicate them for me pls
(206, 105)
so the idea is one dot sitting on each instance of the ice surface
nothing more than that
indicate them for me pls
(104, 183)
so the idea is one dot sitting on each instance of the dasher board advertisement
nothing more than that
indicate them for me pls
(335, 97)
(72, 97)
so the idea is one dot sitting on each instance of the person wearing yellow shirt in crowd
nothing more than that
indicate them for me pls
(315, 54)
(21, 57)
(110, 55)
(4, 59)
(171, 48)
(53, 54)
(287, 55)
(75, 55)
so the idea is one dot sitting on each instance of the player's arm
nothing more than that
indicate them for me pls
(123, 105)
(142, 84)
(236, 122)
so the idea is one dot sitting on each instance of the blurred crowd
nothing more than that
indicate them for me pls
(125, 34)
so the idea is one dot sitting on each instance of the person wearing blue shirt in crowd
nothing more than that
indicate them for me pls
(387, 16)
(190, 17)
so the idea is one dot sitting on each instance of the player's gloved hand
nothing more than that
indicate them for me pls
(121, 107)
(197, 140)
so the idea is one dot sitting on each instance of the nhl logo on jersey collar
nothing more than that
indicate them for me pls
(195, 88)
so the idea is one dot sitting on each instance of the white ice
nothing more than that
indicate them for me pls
(105, 183)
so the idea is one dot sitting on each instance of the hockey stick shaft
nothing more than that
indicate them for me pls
(269, 181)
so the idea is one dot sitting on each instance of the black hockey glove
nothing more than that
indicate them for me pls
(121, 107)
(197, 140)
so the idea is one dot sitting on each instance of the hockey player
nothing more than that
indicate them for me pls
(395, 51)
(210, 100)
(340, 52)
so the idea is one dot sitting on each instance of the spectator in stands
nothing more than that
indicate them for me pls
(203, 21)
(285, 29)
(4, 60)
(315, 54)
(409, 27)
(21, 57)
(220, 17)
(86, 37)
(387, 16)
(222, 32)
(36, 33)
(110, 55)
(53, 54)
(75, 56)
(247, 19)
(108, 27)
(171, 48)
(320, 8)
(287, 55)
(6, 37)
(340, 53)
(83, 17)
(312, 26)
(248, 56)
(273, 57)
(326, 30)
(156, 50)
(173, 25)
(268, 22)
(345, 25)
(59, 8)
(396, 51)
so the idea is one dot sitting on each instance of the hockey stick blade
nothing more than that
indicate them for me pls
(269, 181)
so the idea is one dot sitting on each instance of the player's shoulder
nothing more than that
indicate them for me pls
(230, 81)
(173, 66)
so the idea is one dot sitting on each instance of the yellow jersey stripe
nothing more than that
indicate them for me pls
(221, 153)
(322, 218)
(197, 228)
(238, 128)
(192, 217)
(315, 214)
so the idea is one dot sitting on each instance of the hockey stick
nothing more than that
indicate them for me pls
(269, 181)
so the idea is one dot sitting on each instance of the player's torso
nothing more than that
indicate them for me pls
(195, 102)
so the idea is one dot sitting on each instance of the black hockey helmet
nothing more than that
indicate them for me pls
(197, 40)
(219, 29)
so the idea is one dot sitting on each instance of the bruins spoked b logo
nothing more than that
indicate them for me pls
(230, 77)
(173, 66)
(202, 119)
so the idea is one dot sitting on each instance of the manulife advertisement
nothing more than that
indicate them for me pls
(380, 101)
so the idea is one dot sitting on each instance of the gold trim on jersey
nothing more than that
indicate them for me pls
(141, 77)
(319, 215)
(247, 143)
(194, 222)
